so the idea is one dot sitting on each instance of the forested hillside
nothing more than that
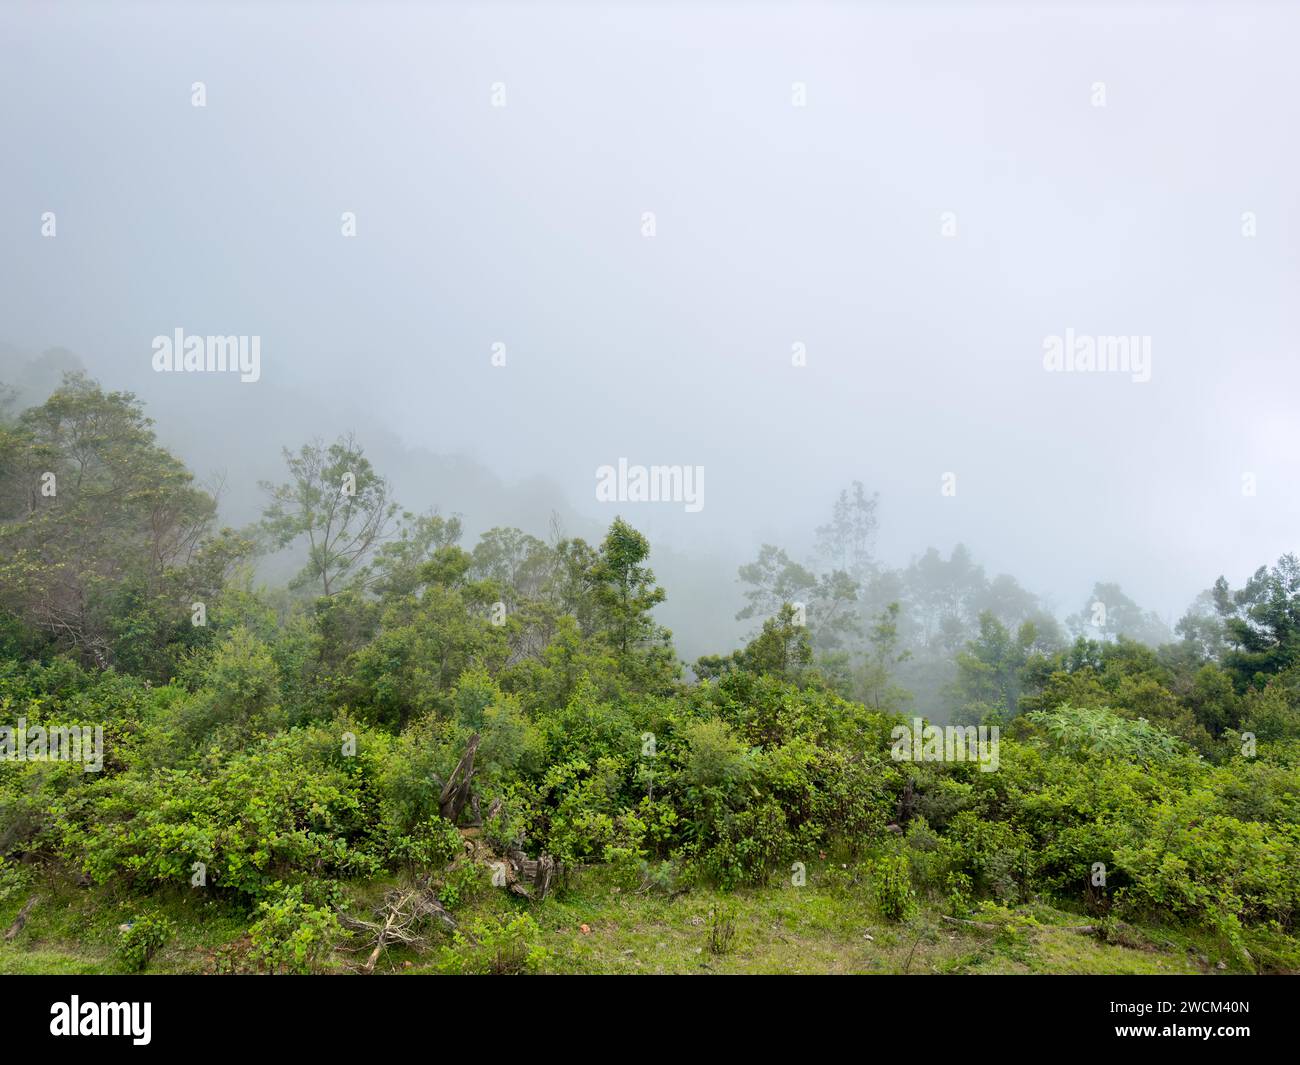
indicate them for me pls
(425, 753)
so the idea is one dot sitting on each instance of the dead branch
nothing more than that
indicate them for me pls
(21, 919)
(1082, 929)
(403, 919)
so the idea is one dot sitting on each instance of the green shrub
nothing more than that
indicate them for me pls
(463, 883)
(290, 805)
(891, 887)
(960, 894)
(13, 879)
(291, 935)
(141, 938)
(496, 946)
(998, 857)
(433, 843)
(659, 878)
(750, 844)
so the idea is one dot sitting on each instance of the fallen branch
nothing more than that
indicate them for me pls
(973, 924)
(402, 920)
(1083, 929)
(21, 919)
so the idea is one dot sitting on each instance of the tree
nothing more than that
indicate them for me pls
(992, 671)
(781, 649)
(518, 563)
(846, 542)
(611, 593)
(1011, 604)
(624, 588)
(1202, 629)
(397, 567)
(776, 580)
(105, 542)
(8, 400)
(1109, 614)
(427, 632)
(338, 502)
(946, 596)
(1261, 622)
(874, 678)
(571, 588)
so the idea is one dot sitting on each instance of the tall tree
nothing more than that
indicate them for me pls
(1262, 622)
(875, 677)
(102, 531)
(625, 588)
(993, 671)
(847, 540)
(518, 563)
(398, 565)
(945, 596)
(337, 502)
(1109, 614)
(776, 580)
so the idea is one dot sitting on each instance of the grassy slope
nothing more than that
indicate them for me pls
(779, 929)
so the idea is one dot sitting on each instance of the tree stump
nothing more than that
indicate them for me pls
(456, 793)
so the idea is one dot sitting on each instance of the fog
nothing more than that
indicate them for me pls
(913, 199)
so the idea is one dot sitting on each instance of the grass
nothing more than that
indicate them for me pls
(73, 929)
(598, 926)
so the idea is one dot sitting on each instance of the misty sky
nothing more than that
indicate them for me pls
(775, 224)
